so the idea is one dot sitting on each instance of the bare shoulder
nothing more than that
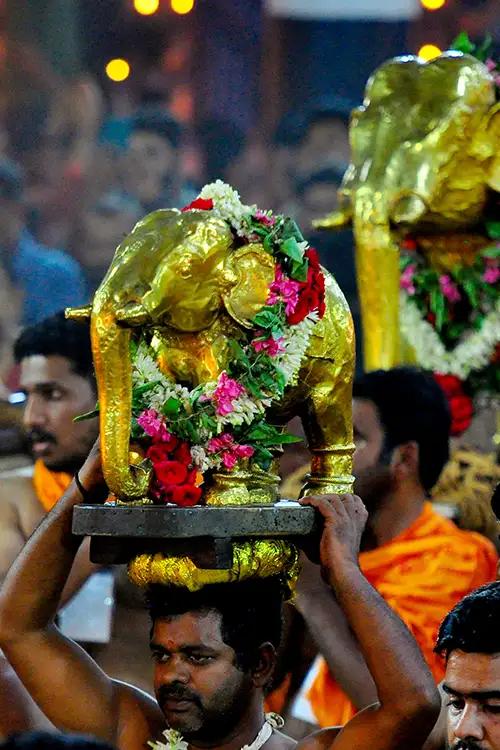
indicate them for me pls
(18, 499)
(139, 717)
(323, 739)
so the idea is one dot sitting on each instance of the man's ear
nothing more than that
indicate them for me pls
(266, 663)
(404, 462)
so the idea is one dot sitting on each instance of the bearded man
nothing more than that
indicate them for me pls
(214, 651)
(420, 562)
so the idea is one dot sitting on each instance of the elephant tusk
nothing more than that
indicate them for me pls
(78, 313)
(335, 220)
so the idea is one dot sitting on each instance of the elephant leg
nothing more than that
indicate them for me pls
(327, 421)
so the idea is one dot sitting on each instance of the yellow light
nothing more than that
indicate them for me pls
(182, 6)
(118, 70)
(429, 52)
(146, 7)
(433, 4)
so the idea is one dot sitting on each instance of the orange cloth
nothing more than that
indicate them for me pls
(49, 485)
(421, 574)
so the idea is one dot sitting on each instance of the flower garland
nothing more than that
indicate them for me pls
(221, 424)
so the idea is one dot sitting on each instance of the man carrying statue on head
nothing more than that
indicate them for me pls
(211, 329)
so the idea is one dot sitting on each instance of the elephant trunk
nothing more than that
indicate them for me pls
(377, 269)
(111, 352)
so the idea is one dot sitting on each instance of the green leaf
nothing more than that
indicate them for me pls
(88, 415)
(298, 270)
(493, 229)
(268, 318)
(140, 390)
(485, 49)
(292, 249)
(462, 43)
(263, 458)
(491, 252)
(471, 290)
(438, 307)
(171, 407)
(290, 229)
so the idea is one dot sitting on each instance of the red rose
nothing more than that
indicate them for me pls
(182, 453)
(409, 244)
(312, 256)
(308, 301)
(461, 407)
(170, 472)
(201, 204)
(161, 451)
(186, 495)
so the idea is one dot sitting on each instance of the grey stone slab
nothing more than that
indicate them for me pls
(157, 522)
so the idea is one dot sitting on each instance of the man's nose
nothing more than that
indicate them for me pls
(175, 670)
(469, 725)
(34, 414)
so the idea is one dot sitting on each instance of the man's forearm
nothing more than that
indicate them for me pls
(30, 595)
(336, 643)
(390, 651)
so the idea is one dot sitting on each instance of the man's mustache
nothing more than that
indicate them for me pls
(39, 436)
(466, 745)
(178, 692)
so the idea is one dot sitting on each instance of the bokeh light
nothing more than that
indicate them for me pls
(118, 70)
(182, 6)
(433, 4)
(429, 51)
(146, 7)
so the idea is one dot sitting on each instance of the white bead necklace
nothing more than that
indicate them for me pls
(174, 739)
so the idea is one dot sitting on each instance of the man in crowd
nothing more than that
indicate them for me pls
(49, 279)
(469, 639)
(214, 651)
(420, 562)
(56, 374)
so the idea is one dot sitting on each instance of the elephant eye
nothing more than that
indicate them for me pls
(185, 267)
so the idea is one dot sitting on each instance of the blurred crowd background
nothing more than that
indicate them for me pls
(112, 108)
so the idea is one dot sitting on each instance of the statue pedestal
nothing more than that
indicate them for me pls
(205, 534)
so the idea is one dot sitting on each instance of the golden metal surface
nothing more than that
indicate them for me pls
(425, 151)
(252, 559)
(180, 276)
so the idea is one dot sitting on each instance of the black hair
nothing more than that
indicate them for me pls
(52, 741)
(330, 108)
(473, 624)
(157, 121)
(58, 336)
(251, 612)
(411, 407)
(495, 501)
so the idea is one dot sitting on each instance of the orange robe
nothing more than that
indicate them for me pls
(49, 485)
(422, 574)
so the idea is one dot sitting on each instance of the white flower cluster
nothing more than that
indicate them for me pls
(173, 739)
(200, 458)
(471, 354)
(145, 370)
(296, 343)
(227, 204)
(246, 408)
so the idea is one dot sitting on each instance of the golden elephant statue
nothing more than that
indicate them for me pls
(425, 155)
(184, 280)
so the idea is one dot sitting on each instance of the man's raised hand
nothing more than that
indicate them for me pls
(344, 520)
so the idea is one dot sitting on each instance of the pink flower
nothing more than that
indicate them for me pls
(284, 290)
(153, 425)
(491, 275)
(271, 345)
(263, 218)
(490, 64)
(406, 280)
(449, 288)
(229, 451)
(226, 392)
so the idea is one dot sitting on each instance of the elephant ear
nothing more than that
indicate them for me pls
(249, 271)
(493, 131)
